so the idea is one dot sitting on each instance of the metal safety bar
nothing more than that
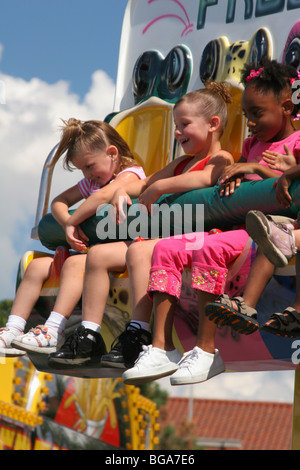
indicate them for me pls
(44, 192)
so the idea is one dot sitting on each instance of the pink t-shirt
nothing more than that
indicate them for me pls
(253, 149)
(88, 186)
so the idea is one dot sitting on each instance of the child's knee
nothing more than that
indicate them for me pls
(139, 252)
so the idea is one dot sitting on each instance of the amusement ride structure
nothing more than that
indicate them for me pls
(168, 47)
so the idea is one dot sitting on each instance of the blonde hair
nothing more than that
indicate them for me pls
(78, 136)
(212, 101)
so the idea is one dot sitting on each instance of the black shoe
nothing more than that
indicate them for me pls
(83, 347)
(127, 347)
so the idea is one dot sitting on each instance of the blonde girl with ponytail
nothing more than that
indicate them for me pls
(95, 148)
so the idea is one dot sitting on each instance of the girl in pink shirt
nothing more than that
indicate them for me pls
(270, 111)
(95, 148)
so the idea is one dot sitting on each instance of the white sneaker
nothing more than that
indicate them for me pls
(42, 339)
(152, 364)
(197, 366)
(7, 335)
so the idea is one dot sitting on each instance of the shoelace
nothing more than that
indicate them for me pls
(130, 336)
(73, 340)
(188, 358)
(145, 352)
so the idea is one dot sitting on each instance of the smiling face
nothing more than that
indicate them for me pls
(191, 130)
(99, 166)
(269, 116)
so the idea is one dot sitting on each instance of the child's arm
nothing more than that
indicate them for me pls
(60, 211)
(283, 183)
(89, 207)
(187, 181)
(233, 175)
(124, 194)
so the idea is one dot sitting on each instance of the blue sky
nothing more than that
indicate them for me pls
(60, 39)
(58, 59)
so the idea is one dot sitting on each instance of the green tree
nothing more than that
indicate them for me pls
(5, 308)
(153, 391)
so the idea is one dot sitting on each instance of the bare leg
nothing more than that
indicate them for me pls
(71, 285)
(89, 344)
(260, 274)
(101, 260)
(36, 274)
(207, 329)
(139, 263)
(126, 350)
(163, 306)
(274, 323)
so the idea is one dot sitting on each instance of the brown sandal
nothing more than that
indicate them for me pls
(288, 324)
(243, 319)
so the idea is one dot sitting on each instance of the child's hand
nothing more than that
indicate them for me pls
(229, 186)
(282, 191)
(232, 177)
(279, 161)
(76, 238)
(118, 202)
(150, 196)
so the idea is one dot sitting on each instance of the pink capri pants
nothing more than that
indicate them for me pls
(221, 265)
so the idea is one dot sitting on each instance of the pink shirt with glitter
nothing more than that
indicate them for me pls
(88, 186)
(253, 149)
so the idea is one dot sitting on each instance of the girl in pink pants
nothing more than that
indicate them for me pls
(221, 265)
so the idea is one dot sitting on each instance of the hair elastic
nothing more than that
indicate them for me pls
(292, 80)
(254, 74)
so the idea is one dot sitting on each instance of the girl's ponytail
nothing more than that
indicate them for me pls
(220, 89)
(92, 135)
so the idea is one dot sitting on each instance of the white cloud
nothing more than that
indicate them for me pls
(29, 129)
(245, 386)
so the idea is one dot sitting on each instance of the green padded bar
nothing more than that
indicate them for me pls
(218, 212)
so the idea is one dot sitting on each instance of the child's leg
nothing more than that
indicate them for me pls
(45, 338)
(287, 323)
(209, 276)
(206, 329)
(280, 243)
(89, 345)
(260, 274)
(239, 312)
(164, 307)
(128, 345)
(101, 260)
(71, 285)
(27, 295)
(138, 261)
(168, 261)
(29, 290)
